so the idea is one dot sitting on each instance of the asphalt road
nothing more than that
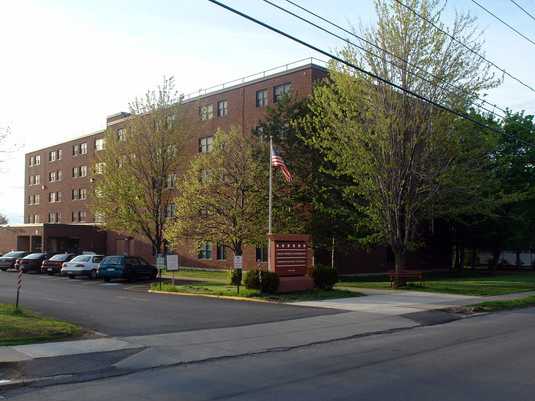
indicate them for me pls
(487, 358)
(124, 309)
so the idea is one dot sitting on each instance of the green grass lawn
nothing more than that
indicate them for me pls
(23, 327)
(494, 306)
(481, 285)
(200, 275)
(219, 289)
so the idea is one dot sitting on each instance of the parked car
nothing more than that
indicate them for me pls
(53, 265)
(31, 262)
(126, 267)
(8, 260)
(82, 265)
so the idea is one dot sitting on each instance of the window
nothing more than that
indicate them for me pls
(99, 144)
(32, 161)
(79, 149)
(75, 150)
(76, 172)
(170, 181)
(205, 144)
(54, 197)
(54, 217)
(99, 217)
(75, 194)
(261, 254)
(79, 216)
(171, 121)
(99, 168)
(221, 251)
(121, 134)
(83, 148)
(37, 162)
(205, 250)
(52, 156)
(222, 108)
(59, 175)
(83, 193)
(261, 98)
(52, 176)
(59, 153)
(207, 112)
(170, 210)
(34, 180)
(280, 91)
(34, 199)
(36, 218)
(83, 171)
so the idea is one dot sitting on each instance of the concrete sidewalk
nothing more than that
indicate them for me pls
(197, 345)
(397, 302)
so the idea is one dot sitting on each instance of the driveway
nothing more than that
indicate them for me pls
(123, 309)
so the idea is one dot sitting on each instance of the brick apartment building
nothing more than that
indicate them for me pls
(58, 179)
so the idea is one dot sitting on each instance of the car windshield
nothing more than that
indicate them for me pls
(60, 257)
(34, 256)
(97, 259)
(13, 254)
(81, 258)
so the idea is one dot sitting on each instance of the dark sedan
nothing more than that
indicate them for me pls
(126, 267)
(54, 264)
(31, 262)
(8, 260)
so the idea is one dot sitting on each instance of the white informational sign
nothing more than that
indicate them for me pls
(160, 261)
(238, 262)
(172, 263)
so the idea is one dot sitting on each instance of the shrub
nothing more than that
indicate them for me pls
(324, 277)
(270, 282)
(252, 280)
(235, 277)
(267, 282)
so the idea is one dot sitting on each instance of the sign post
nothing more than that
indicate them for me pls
(172, 266)
(19, 286)
(160, 265)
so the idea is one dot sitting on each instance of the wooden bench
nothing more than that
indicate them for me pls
(404, 276)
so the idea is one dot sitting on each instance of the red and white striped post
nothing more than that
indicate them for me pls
(19, 286)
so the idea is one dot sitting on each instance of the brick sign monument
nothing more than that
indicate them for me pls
(291, 258)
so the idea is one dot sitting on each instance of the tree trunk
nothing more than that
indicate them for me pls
(400, 263)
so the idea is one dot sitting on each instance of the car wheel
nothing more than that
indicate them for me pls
(93, 275)
(71, 276)
(107, 279)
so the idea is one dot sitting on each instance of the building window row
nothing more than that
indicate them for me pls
(54, 197)
(54, 217)
(34, 179)
(206, 144)
(206, 112)
(54, 155)
(33, 219)
(121, 134)
(79, 149)
(54, 176)
(35, 160)
(79, 216)
(99, 167)
(170, 181)
(34, 199)
(80, 171)
(170, 210)
(79, 194)
(279, 92)
(100, 144)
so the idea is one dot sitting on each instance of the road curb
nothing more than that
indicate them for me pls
(234, 298)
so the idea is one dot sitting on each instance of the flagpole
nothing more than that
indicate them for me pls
(270, 182)
(270, 197)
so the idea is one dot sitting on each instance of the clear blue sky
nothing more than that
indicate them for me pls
(68, 63)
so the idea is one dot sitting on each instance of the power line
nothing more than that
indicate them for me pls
(465, 46)
(505, 23)
(357, 68)
(379, 48)
(523, 9)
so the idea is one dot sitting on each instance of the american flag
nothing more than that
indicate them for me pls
(276, 161)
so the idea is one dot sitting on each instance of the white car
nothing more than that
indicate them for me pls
(82, 265)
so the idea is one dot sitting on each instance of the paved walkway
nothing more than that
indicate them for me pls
(389, 302)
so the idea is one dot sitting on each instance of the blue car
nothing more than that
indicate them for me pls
(126, 267)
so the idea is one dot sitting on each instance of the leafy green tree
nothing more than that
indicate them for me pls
(397, 150)
(223, 197)
(136, 173)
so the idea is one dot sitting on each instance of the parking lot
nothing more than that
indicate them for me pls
(123, 309)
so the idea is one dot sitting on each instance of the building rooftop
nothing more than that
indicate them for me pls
(212, 90)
